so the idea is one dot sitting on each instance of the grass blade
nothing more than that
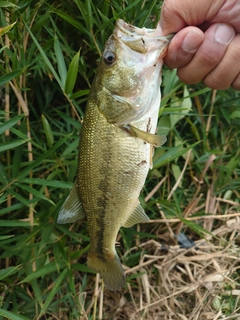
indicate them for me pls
(44, 156)
(72, 74)
(10, 123)
(171, 154)
(11, 316)
(62, 70)
(54, 290)
(10, 75)
(48, 131)
(4, 273)
(11, 145)
(47, 269)
(45, 58)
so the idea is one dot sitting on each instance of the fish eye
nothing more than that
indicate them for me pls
(109, 57)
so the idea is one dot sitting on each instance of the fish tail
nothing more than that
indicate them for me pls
(110, 269)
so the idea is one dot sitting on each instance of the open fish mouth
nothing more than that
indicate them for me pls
(142, 40)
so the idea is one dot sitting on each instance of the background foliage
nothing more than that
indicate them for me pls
(49, 52)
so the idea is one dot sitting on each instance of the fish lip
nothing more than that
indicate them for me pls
(142, 40)
(130, 30)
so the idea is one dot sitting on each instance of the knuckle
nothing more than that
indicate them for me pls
(215, 85)
(210, 58)
(216, 82)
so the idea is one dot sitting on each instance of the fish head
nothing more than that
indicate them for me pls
(129, 75)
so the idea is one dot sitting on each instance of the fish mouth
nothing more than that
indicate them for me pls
(142, 40)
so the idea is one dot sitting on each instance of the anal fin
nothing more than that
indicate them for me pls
(138, 215)
(72, 209)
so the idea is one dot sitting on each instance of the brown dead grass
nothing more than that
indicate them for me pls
(177, 283)
(180, 283)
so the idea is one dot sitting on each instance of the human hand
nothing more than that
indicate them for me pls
(206, 46)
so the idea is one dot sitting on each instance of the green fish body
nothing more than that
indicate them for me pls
(116, 144)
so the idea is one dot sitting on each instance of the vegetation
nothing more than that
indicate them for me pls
(49, 52)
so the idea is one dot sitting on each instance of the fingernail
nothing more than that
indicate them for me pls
(192, 41)
(224, 33)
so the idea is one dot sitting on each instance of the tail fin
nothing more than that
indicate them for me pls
(110, 269)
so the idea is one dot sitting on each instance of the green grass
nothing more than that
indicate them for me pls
(49, 53)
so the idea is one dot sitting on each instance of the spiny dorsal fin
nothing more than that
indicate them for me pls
(150, 138)
(138, 215)
(72, 209)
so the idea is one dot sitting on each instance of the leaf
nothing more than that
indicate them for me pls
(178, 142)
(80, 93)
(11, 208)
(235, 114)
(75, 23)
(45, 270)
(14, 223)
(48, 183)
(37, 291)
(72, 74)
(11, 316)
(86, 12)
(6, 4)
(73, 147)
(10, 145)
(44, 156)
(3, 174)
(195, 227)
(4, 238)
(62, 70)
(15, 194)
(10, 75)
(48, 131)
(180, 107)
(44, 56)
(7, 28)
(186, 105)
(54, 290)
(177, 173)
(153, 3)
(171, 154)
(35, 192)
(10, 123)
(4, 273)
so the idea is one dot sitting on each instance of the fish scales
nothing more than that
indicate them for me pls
(116, 144)
(108, 190)
(112, 171)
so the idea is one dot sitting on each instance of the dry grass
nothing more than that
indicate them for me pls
(191, 282)
(179, 283)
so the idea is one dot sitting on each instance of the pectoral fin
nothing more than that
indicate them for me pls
(150, 138)
(72, 209)
(137, 216)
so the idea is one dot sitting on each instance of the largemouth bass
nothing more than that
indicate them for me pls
(116, 144)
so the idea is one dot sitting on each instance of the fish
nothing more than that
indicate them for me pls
(117, 142)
